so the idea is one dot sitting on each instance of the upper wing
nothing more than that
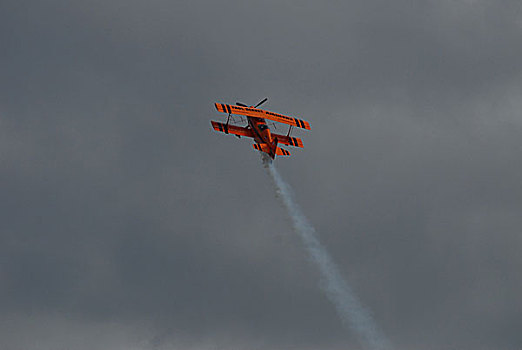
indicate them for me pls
(259, 113)
(290, 141)
(232, 129)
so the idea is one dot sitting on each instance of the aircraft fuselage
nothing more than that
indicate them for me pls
(262, 134)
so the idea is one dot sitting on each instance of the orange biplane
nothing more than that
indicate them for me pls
(257, 128)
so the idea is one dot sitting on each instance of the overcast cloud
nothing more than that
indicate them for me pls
(126, 222)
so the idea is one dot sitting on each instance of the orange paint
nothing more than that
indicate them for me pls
(258, 129)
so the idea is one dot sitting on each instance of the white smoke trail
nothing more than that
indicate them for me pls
(337, 290)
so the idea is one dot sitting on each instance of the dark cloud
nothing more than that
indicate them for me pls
(127, 222)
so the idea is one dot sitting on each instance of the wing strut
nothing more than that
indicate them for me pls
(228, 118)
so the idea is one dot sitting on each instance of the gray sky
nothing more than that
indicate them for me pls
(126, 222)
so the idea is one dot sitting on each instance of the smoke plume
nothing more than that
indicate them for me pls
(337, 290)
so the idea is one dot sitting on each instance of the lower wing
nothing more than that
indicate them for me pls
(232, 129)
(289, 141)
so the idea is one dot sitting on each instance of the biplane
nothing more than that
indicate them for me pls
(257, 128)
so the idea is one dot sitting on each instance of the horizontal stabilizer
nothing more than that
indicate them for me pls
(232, 129)
(263, 147)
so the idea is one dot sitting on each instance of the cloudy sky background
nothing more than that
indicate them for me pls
(126, 222)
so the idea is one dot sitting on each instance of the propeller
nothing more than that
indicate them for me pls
(259, 104)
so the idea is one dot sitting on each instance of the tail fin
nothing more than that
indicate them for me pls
(274, 144)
